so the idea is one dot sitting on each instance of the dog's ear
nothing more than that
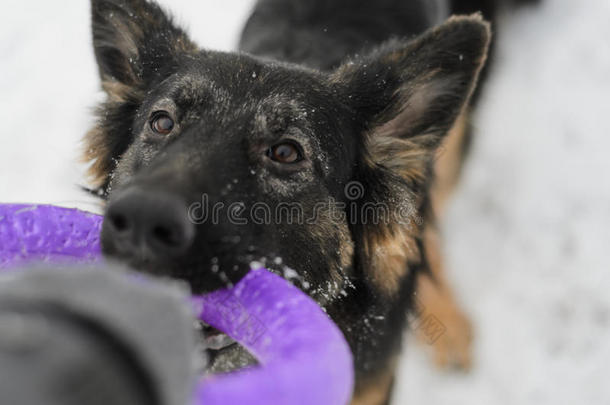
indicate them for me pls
(135, 41)
(136, 44)
(405, 98)
(408, 94)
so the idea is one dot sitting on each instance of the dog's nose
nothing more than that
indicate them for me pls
(152, 223)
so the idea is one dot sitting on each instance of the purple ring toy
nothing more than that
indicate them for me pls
(303, 356)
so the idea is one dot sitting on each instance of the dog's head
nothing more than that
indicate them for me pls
(212, 160)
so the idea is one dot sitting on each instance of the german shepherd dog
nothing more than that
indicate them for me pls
(349, 118)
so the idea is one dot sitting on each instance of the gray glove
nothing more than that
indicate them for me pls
(91, 336)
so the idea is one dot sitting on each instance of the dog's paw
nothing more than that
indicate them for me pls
(441, 325)
(449, 335)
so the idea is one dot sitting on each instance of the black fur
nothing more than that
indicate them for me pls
(321, 33)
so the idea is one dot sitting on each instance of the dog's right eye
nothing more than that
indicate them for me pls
(161, 123)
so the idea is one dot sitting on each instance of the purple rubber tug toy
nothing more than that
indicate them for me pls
(303, 357)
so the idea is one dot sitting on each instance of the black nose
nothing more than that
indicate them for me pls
(147, 223)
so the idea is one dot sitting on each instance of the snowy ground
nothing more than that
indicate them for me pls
(527, 235)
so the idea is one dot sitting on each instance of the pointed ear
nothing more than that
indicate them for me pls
(134, 40)
(407, 95)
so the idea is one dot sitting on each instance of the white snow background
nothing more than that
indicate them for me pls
(527, 235)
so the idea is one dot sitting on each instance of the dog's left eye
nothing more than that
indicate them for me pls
(161, 123)
(285, 152)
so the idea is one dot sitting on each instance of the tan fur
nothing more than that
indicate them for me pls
(346, 254)
(393, 250)
(406, 157)
(390, 247)
(376, 390)
(447, 166)
(94, 150)
(453, 348)
(409, 157)
(389, 255)
(117, 92)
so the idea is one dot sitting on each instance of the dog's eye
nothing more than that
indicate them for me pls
(161, 123)
(285, 152)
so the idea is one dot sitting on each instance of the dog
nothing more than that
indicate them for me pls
(325, 149)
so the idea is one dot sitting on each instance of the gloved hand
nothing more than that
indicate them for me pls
(86, 336)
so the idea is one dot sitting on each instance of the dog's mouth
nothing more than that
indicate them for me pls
(213, 339)
(223, 354)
